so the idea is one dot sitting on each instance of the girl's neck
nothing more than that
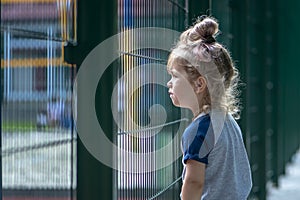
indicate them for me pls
(198, 114)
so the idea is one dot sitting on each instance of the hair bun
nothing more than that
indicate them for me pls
(205, 29)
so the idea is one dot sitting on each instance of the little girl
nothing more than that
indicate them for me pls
(204, 80)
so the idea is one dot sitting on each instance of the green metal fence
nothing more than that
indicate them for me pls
(256, 33)
(39, 58)
(142, 135)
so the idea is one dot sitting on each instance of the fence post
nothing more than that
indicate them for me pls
(271, 86)
(97, 20)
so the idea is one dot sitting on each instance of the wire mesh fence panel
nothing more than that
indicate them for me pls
(38, 141)
(148, 122)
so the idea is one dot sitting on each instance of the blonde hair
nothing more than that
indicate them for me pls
(200, 54)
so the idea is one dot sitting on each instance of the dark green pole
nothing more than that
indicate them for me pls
(238, 50)
(271, 87)
(97, 21)
(255, 124)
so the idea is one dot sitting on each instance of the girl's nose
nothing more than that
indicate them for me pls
(169, 84)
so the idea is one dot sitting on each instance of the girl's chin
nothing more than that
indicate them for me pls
(175, 103)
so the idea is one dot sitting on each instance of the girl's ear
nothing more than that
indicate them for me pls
(200, 84)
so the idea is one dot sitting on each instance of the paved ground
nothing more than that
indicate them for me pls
(37, 160)
(289, 184)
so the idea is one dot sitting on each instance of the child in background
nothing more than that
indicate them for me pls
(204, 80)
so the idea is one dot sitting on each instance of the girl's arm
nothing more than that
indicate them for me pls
(193, 181)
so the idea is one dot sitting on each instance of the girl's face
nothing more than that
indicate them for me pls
(181, 90)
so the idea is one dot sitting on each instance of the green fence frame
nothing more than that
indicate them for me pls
(97, 20)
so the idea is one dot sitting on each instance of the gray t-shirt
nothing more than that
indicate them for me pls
(227, 173)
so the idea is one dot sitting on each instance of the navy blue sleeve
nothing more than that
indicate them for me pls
(193, 139)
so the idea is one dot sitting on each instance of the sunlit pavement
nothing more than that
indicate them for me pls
(289, 184)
